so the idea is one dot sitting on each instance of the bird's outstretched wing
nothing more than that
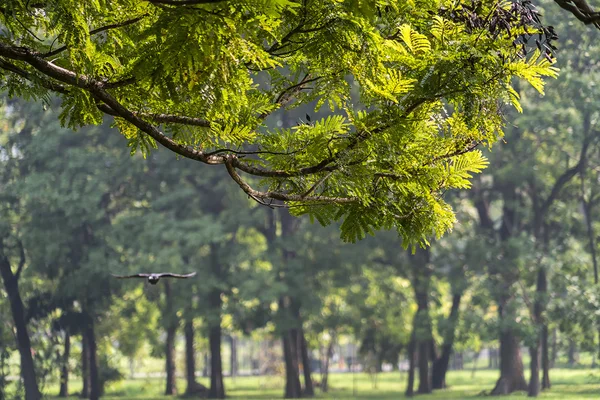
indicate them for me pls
(131, 276)
(172, 275)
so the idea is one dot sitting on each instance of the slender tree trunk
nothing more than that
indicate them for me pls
(171, 388)
(309, 390)
(293, 389)
(171, 327)
(90, 337)
(23, 342)
(64, 370)
(440, 365)
(11, 285)
(325, 367)
(217, 388)
(554, 348)
(511, 367)
(538, 319)
(545, 360)
(234, 357)
(571, 352)
(411, 365)
(534, 380)
(192, 387)
(422, 321)
(85, 366)
(206, 365)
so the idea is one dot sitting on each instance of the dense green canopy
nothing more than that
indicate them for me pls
(414, 87)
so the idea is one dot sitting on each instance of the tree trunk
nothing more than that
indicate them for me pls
(545, 359)
(538, 319)
(424, 376)
(571, 353)
(171, 388)
(309, 390)
(325, 366)
(422, 322)
(234, 357)
(440, 365)
(511, 367)
(90, 337)
(411, 365)
(534, 379)
(290, 335)
(554, 348)
(217, 388)
(190, 358)
(85, 366)
(292, 378)
(64, 370)
(11, 285)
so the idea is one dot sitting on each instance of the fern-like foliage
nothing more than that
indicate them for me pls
(412, 88)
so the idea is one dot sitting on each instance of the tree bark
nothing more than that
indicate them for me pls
(440, 365)
(538, 319)
(309, 390)
(90, 337)
(571, 353)
(290, 335)
(534, 380)
(11, 285)
(424, 375)
(511, 367)
(217, 388)
(234, 356)
(85, 366)
(554, 348)
(422, 322)
(411, 365)
(325, 366)
(171, 327)
(64, 370)
(292, 379)
(545, 359)
(192, 386)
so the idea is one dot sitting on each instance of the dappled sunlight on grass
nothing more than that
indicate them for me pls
(567, 384)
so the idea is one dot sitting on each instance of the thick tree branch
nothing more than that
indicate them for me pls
(55, 87)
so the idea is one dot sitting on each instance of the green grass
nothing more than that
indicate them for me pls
(567, 384)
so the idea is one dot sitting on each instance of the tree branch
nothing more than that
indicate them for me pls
(581, 10)
(98, 30)
(160, 118)
(32, 78)
(565, 178)
(21, 259)
(185, 2)
(255, 194)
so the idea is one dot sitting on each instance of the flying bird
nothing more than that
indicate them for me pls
(154, 278)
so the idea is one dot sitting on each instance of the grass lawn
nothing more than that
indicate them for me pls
(568, 384)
